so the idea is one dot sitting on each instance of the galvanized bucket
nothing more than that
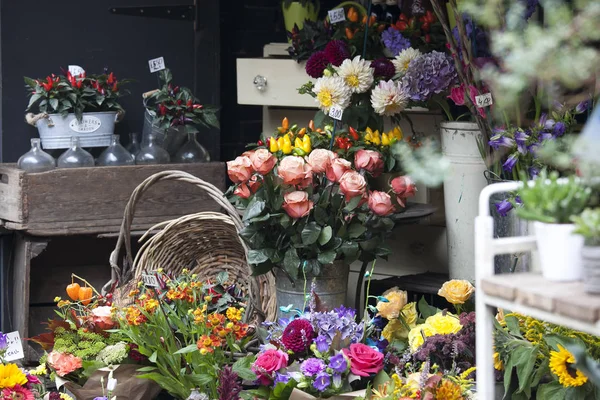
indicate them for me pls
(171, 139)
(507, 226)
(94, 129)
(331, 286)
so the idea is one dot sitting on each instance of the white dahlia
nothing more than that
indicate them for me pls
(402, 60)
(332, 91)
(388, 98)
(357, 73)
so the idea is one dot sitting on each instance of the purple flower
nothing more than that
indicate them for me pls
(281, 378)
(533, 173)
(503, 207)
(429, 74)
(546, 136)
(518, 200)
(559, 129)
(312, 366)
(101, 398)
(542, 121)
(510, 162)
(500, 140)
(549, 124)
(336, 52)
(384, 68)
(316, 64)
(345, 312)
(338, 363)
(582, 107)
(337, 381)
(3, 341)
(322, 382)
(322, 345)
(530, 7)
(394, 41)
(521, 140)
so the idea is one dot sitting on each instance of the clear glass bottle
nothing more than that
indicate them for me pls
(134, 145)
(36, 159)
(192, 151)
(152, 152)
(75, 156)
(115, 155)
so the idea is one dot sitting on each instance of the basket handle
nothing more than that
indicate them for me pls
(125, 232)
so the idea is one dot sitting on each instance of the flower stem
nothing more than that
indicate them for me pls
(84, 281)
(366, 312)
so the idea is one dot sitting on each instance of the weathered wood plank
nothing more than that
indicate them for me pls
(11, 205)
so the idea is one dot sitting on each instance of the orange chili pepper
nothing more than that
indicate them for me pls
(349, 33)
(73, 291)
(352, 15)
(311, 125)
(85, 295)
(301, 132)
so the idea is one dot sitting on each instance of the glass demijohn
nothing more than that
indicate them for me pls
(75, 157)
(192, 152)
(152, 153)
(115, 155)
(134, 145)
(36, 159)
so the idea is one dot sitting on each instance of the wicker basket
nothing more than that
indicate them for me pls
(205, 243)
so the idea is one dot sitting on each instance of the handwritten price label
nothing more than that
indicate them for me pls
(336, 112)
(14, 351)
(336, 15)
(76, 70)
(156, 64)
(150, 280)
(484, 100)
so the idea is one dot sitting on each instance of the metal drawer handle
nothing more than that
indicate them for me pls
(260, 82)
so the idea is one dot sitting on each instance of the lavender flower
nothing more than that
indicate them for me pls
(322, 382)
(510, 162)
(338, 363)
(503, 207)
(281, 378)
(3, 341)
(321, 343)
(582, 107)
(500, 140)
(337, 381)
(394, 41)
(559, 129)
(429, 74)
(312, 366)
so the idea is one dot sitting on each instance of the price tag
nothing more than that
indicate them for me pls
(14, 351)
(76, 70)
(150, 280)
(336, 112)
(336, 15)
(156, 64)
(484, 100)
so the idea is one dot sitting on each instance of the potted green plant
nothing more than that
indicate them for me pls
(551, 202)
(588, 225)
(295, 12)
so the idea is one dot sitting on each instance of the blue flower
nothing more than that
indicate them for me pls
(510, 162)
(533, 173)
(500, 140)
(559, 129)
(429, 74)
(321, 343)
(281, 378)
(521, 140)
(347, 312)
(322, 382)
(338, 363)
(504, 207)
(582, 107)
(394, 41)
(3, 341)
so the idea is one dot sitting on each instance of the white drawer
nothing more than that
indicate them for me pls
(284, 77)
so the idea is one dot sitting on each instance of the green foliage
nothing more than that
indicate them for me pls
(588, 225)
(304, 3)
(424, 165)
(549, 200)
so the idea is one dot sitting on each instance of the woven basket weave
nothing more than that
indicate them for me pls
(205, 243)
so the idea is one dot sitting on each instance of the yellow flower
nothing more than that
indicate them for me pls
(417, 335)
(561, 365)
(39, 370)
(456, 291)
(498, 364)
(385, 140)
(151, 305)
(442, 324)
(396, 299)
(500, 317)
(64, 396)
(395, 329)
(234, 314)
(63, 303)
(468, 372)
(11, 375)
(57, 299)
(397, 133)
(448, 390)
(409, 314)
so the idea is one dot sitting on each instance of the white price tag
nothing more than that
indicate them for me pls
(14, 351)
(336, 112)
(484, 100)
(76, 70)
(336, 15)
(156, 64)
(150, 280)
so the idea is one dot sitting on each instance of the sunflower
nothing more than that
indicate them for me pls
(561, 365)
(11, 375)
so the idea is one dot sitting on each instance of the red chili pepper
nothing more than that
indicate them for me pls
(114, 87)
(162, 109)
(430, 17)
(197, 106)
(260, 143)
(176, 89)
(179, 102)
(403, 17)
(111, 79)
(401, 25)
(48, 85)
(425, 27)
(189, 103)
(353, 133)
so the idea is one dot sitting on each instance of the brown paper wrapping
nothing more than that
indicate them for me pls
(300, 395)
(129, 387)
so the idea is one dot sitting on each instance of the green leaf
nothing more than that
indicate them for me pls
(551, 391)
(525, 370)
(33, 99)
(242, 368)
(325, 235)
(356, 230)
(200, 380)
(187, 349)
(352, 204)
(255, 208)
(327, 257)
(146, 369)
(425, 309)
(291, 262)
(257, 256)
(310, 233)
(152, 358)
(53, 103)
(349, 249)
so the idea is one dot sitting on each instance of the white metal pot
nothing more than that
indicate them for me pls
(591, 268)
(94, 130)
(461, 194)
(559, 251)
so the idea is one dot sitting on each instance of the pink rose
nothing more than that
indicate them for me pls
(240, 169)
(308, 178)
(337, 168)
(267, 363)
(242, 191)
(364, 361)
(353, 184)
(293, 170)
(369, 160)
(297, 204)
(380, 203)
(63, 363)
(254, 184)
(102, 317)
(320, 159)
(263, 161)
(403, 186)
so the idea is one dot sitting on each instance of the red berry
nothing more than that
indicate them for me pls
(109, 296)
(109, 303)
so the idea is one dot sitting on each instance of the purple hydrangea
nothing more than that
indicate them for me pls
(510, 162)
(394, 41)
(321, 343)
(328, 324)
(504, 207)
(345, 312)
(3, 341)
(429, 74)
(338, 363)
(322, 382)
(312, 366)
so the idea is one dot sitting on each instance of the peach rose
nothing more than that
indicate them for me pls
(296, 204)
(320, 159)
(380, 203)
(102, 317)
(293, 170)
(242, 191)
(403, 186)
(63, 363)
(254, 184)
(308, 178)
(369, 160)
(263, 161)
(353, 184)
(337, 168)
(240, 169)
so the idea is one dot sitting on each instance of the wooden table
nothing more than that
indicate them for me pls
(82, 202)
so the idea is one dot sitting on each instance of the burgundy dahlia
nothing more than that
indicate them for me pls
(298, 335)
(383, 68)
(337, 51)
(316, 64)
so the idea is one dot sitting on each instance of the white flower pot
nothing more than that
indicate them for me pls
(591, 268)
(559, 251)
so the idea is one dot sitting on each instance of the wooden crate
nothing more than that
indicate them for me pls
(92, 200)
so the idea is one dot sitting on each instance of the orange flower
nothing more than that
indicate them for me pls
(216, 341)
(240, 330)
(199, 314)
(134, 316)
(151, 305)
(215, 320)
